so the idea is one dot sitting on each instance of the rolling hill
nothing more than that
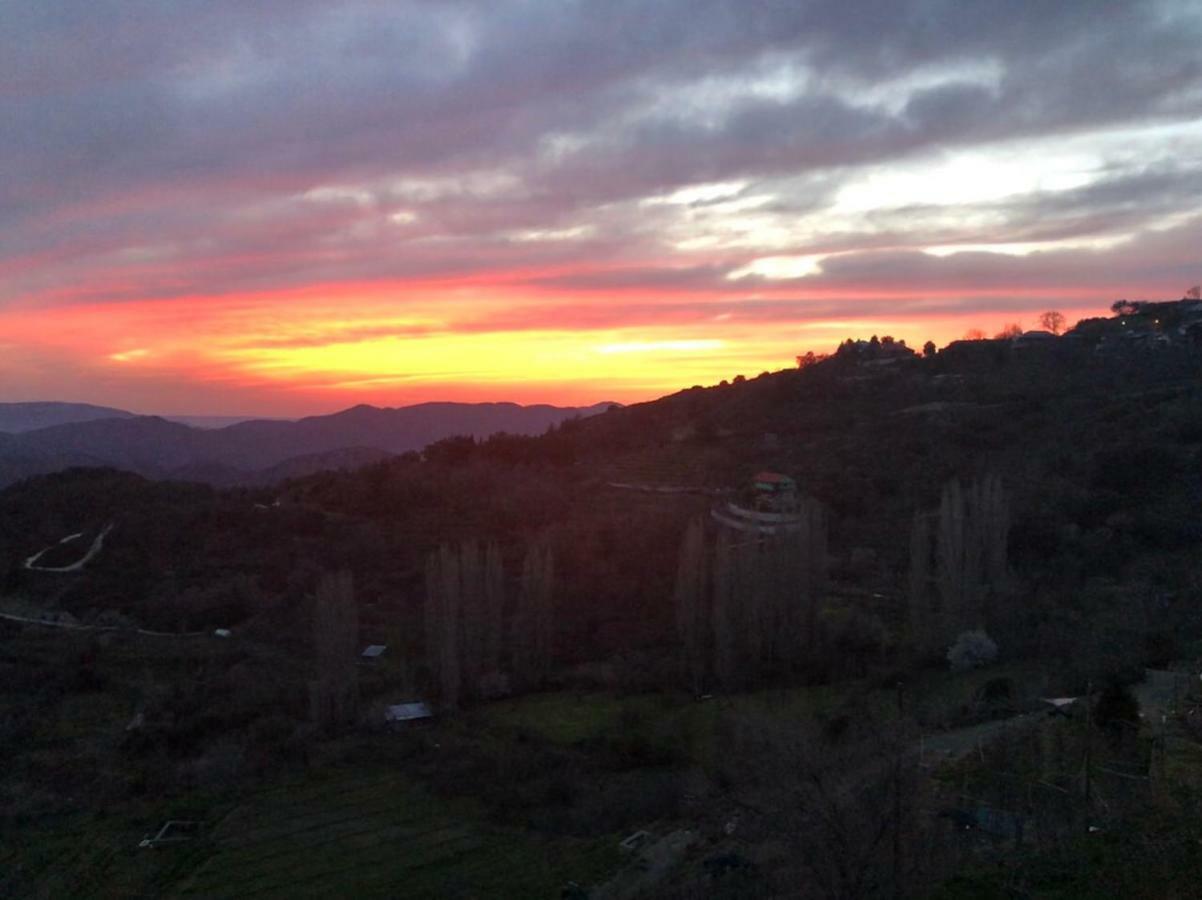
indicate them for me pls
(19, 417)
(252, 451)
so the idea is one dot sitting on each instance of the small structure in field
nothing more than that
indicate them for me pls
(1061, 706)
(373, 652)
(634, 842)
(400, 714)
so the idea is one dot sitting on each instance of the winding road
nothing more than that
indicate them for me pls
(97, 544)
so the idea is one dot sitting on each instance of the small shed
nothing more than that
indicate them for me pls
(1061, 706)
(401, 713)
(373, 651)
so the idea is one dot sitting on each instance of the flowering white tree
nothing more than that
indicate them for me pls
(972, 650)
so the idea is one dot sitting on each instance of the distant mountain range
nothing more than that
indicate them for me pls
(36, 438)
(18, 417)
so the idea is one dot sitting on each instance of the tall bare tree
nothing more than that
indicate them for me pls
(534, 623)
(919, 588)
(1052, 320)
(767, 590)
(471, 606)
(813, 559)
(722, 614)
(464, 616)
(334, 693)
(691, 620)
(444, 624)
(493, 612)
(970, 551)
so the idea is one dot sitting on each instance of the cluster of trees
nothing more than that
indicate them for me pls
(749, 609)
(472, 651)
(809, 358)
(958, 562)
(475, 647)
(1135, 307)
(874, 348)
(1051, 320)
(556, 447)
(753, 607)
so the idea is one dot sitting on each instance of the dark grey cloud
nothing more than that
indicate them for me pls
(156, 148)
(1162, 261)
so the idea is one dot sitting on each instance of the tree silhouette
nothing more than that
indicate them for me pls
(1052, 320)
(534, 623)
(334, 693)
(690, 609)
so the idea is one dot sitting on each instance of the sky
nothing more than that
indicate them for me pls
(289, 207)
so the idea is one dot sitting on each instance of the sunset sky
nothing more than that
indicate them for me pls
(288, 207)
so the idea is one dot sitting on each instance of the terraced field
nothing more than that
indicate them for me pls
(378, 835)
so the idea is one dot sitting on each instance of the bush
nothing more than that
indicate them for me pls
(971, 650)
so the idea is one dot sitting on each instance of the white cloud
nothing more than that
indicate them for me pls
(777, 267)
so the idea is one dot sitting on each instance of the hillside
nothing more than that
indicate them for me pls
(18, 417)
(1101, 473)
(764, 727)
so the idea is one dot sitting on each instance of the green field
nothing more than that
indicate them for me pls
(509, 799)
(344, 833)
(376, 834)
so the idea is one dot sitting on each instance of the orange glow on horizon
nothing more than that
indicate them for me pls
(319, 349)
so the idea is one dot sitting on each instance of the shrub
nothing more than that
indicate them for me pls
(971, 650)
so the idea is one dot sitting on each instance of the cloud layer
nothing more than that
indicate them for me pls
(227, 182)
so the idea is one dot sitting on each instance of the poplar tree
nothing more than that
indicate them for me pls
(950, 555)
(534, 621)
(691, 620)
(471, 615)
(971, 552)
(443, 623)
(919, 588)
(766, 592)
(813, 559)
(749, 571)
(493, 609)
(334, 693)
(464, 618)
(725, 639)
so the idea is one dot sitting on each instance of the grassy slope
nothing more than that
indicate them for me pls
(367, 833)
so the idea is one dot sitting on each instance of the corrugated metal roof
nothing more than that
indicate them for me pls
(374, 650)
(404, 712)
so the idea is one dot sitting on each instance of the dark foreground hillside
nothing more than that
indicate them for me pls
(862, 712)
